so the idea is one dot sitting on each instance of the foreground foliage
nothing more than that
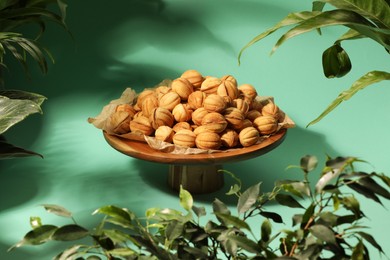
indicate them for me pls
(369, 19)
(328, 222)
(16, 105)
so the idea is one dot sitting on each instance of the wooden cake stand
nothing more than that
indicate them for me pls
(197, 173)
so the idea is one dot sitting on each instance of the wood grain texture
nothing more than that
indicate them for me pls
(141, 150)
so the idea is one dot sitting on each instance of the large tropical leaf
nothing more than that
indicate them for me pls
(377, 11)
(366, 80)
(8, 151)
(338, 17)
(291, 19)
(13, 111)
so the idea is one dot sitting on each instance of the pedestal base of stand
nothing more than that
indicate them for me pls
(197, 179)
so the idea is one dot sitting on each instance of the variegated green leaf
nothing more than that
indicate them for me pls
(377, 11)
(12, 111)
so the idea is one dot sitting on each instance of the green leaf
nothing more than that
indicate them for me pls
(70, 232)
(336, 17)
(372, 185)
(234, 221)
(186, 200)
(35, 222)
(323, 233)
(377, 11)
(287, 200)
(24, 95)
(329, 218)
(245, 243)
(119, 216)
(66, 254)
(369, 238)
(220, 208)
(57, 210)
(309, 212)
(199, 211)
(347, 219)
(351, 34)
(272, 215)
(297, 188)
(366, 80)
(358, 251)
(121, 251)
(174, 230)
(12, 111)
(362, 190)
(116, 235)
(335, 62)
(36, 236)
(290, 19)
(248, 198)
(352, 204)
(8, 151)
(309, 163)
(266, 230)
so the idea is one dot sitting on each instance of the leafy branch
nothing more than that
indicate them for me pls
(329, 224)
(16, 105)
(364, 19)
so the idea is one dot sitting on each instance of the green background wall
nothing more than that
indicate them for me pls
(128, 43)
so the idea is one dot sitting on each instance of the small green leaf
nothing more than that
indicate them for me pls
(234, 221)
(220, 208)
(248, 198)
(174, 230)
(335, 62)
(309, 212)
(57, 210)
(125, 251)
(358, 251)
(186, 200)
(66, 254)
(323, 233)
(329, 218)
(369, 238)
(362, 190)
(352, 204)
(199, 211)
(347, 219)
(297, 219)
(69, 233)
(372, 185)
(309, 163)
(233, 189)
(35, 222)
(287, 200)
(297, 188)
(36, 236)
(116, 235)
(119, 215)
(245, 243)
(272, 215)
(266, 230)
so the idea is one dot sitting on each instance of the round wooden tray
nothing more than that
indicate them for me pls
(197, 173)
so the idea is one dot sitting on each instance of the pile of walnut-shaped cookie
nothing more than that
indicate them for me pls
(202, 112)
